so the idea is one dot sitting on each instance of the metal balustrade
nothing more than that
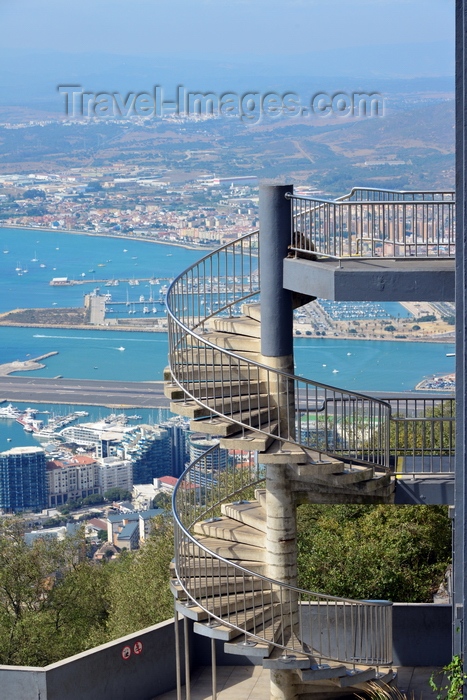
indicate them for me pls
(372, 223)
(422, 432)
(324, 627)
(423, 435)
(382, 195)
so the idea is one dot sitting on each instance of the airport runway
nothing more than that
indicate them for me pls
(98, 392)
(88, 392)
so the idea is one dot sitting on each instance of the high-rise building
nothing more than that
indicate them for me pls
(178, 430)
(199, 444)
(23, 479)
(148, 448)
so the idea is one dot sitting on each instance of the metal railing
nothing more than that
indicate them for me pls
(264, 610)
(381, 195)
(372, 223)
(423, 435)
(274, 402)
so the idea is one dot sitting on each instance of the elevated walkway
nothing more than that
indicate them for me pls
(360, 279)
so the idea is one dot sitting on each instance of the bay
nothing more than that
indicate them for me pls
(361, 365)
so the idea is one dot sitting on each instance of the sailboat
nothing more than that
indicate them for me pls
(35, 258)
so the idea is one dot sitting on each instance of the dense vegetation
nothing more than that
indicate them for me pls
(55, 601)
(397, 553)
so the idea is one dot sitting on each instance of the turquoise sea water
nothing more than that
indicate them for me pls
(362, 365)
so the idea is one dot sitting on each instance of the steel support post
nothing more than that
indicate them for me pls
(460, 534)
(276, 302)
(277, 353)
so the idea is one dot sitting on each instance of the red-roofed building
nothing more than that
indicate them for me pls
(70, 479)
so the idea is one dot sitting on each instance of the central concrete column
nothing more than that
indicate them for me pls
(277, 353)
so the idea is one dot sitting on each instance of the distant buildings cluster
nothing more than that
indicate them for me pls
(198, 212)
(101, 456)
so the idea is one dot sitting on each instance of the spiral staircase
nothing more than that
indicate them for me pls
(291, 440)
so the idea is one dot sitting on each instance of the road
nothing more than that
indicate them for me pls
(88, 392)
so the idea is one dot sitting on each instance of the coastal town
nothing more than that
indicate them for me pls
(132, 202)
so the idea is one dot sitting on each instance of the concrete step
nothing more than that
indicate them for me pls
(219, 585)
(224, 405)
(213, 390)
(233, 550)
(189, 409)
(216, 373)
(251, 621)
(230, 531)
(249, 439)
(197, 568)
(356, 675)
(342, 686)
(263, 419)
(224, 605)
(383, 483)
(345, 477)
(238, 326)
(252, 311)
(249, 513)
(282, 453)
(260, 495)
(233, 342)
(318, 672)
(208, 356)
(271, 632)
(294, 658)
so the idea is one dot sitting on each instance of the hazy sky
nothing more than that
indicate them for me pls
(221, 27)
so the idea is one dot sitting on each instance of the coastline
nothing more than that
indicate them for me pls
(101, 234)
(430, 383)
(153, 329)
(25, 365)
(83, 327)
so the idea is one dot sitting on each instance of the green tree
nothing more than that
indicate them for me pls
(51, 597)
(117, 494)
(138, 589)
(389, 552)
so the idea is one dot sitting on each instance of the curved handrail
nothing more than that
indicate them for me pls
(325, 626)
(352, 425)
(381, 194)
(374, 223)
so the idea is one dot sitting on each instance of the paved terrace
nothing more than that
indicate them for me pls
(253, 683)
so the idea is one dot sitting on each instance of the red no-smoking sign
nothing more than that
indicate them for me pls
(138, 647)
(126, 653)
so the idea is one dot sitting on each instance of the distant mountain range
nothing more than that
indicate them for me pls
(425, 66)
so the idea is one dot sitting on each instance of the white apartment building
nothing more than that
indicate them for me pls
(113, 472)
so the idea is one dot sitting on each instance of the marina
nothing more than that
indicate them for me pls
(12, 432)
